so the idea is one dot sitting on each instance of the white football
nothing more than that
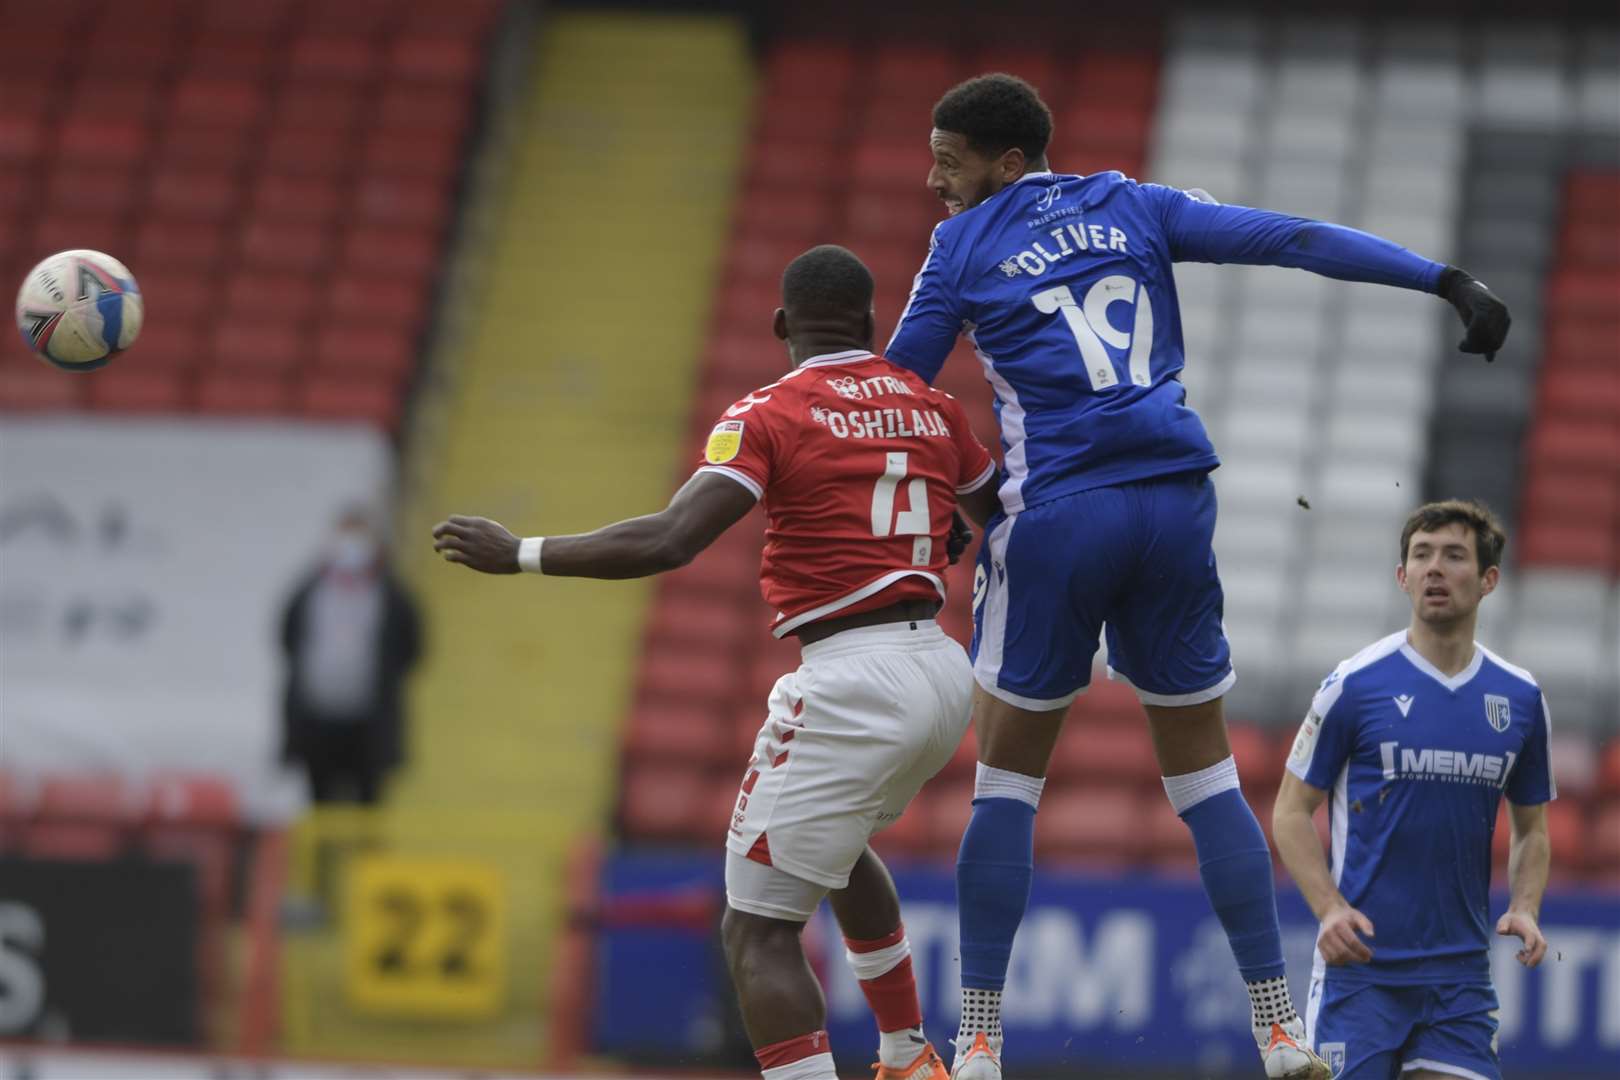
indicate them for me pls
(79, 309)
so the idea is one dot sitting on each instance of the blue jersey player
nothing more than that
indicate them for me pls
(1063, 285)
(1418, 737)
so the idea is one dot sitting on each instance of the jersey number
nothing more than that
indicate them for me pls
(912, 521)
(1092, 331)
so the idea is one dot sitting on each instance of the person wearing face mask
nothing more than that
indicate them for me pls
(350, 635)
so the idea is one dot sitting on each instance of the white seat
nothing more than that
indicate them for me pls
(1266, 381)
(1275, 329)
(1319, 645)
(1255, 428)
(1330, 86)
(1258, 485)
(1430, 235)
(1597, 100)
(1381, 491)
(1226, 178)
(1363, 382)
(1524, 95)
(1398, 436)
(1572, 598)
(1414, 189)
(1221, 132)
(1330, 594)
(1248, 537)
(1418, 88)
(1308, 192)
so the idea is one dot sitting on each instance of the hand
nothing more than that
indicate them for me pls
(960, 536)
(1339, 941)
(1484, 315)
(477, 542)
(1522, 925)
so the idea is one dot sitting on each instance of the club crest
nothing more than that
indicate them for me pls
(1498, 712)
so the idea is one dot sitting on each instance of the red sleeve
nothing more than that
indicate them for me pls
(743, 445)
(977, 464)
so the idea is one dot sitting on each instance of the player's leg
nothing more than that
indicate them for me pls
(1165, 638)
(1034, 638)
(879, 953)
(1459, 1037)
(782, 1005)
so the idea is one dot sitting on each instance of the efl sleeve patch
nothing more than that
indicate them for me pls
(724, 442)
(1305, 741)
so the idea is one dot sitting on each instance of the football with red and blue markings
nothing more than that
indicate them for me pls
(79, 309)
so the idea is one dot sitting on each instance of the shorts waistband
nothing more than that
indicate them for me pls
(919, 633)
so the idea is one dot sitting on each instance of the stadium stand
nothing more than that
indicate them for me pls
(281, 177)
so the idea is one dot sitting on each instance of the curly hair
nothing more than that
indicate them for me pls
(1489, 537)
(995, 113)
(827, 281)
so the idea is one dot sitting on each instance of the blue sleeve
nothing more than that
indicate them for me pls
(1209, 232)
(932, 318)
(1326, 737)
(1532, 781)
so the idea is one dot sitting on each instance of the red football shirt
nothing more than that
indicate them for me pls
(859, 463)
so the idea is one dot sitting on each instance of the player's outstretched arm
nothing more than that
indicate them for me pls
(1201, 231)
(705, 506)
(1301, 852)
(1528, 859)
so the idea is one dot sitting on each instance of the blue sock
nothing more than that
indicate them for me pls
(993, 872)
(1235, 864)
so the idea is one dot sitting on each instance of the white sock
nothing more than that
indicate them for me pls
(994, 783)
(897, 1049)
(981, 1011)
(814, 1067)
(1270, 1003)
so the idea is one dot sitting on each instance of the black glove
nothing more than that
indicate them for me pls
(960, 537)
(1484, 315)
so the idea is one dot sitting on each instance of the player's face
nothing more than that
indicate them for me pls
(962, 177)
(1441, 575)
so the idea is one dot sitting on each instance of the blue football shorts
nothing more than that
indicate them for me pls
(1368, 1032)
(1135, 559)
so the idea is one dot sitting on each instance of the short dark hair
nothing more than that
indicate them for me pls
(995, 113)
(1489, 537)
(827, 282)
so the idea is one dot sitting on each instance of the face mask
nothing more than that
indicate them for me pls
(353, 552)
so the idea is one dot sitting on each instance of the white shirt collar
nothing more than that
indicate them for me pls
(1450, 682)
(848, 356)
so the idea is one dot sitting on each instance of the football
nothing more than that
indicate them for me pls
(79, 309)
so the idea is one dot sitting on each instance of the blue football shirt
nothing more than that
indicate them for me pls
(1416, 763)
(1063, 284)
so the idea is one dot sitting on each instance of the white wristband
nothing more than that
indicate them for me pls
(529, 554)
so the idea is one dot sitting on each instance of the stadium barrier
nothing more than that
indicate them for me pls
(1119, 973)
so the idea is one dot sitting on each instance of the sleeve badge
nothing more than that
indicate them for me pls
(724, 442)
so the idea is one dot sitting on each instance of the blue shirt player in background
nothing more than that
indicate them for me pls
(1063, 284)
(1418, 737)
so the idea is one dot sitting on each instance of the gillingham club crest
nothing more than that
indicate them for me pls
(1333, 1054)
(1498, 712)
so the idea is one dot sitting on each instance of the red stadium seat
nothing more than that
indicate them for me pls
(232, 53)
(797, 68)
(1603, 839)
(116, 52)
(104, 798)
(270, 296)
(890, 163)
(70, 841)
(177, 293)
(803, 217)
(1097, 825)
(101, 189)
(261, 16)
(818, 118)
(1593, 445)
(174, 344)
(1566, 833)
(1034, 65)
(195, 193)
(323, 107)
(948, 806)
(1104, 126)
(1580, 393)
(907, 838)
(1124, 78)
(33, 386)
(670, 731)
(286, 245)
(100, 141)
(1119, 753)
(664, 802)
(791, 164)
(441, 110)
(22, 138)
(1590, 244)
(1608, 776)
(133, 388)
(397, 200)
(380, 349)
(169, 243)
(127, 99)
(217, 100)
(1592, 198)
(191, 799)
(1167, 839)
(693, 677)
(391, 252)
(265, 347)
(282, 197)
(906, 216)
(1253, 749)
(372, 401)
(1571, 498)
(233, 392)
(310, 152)
(17, 186)
(432, 58)
(919, 73)
(61, 230)
(398, 302)
(428, 156)
(226, 146)
(353, 16)
(1579, 292)
(681, 619)
(334, 57)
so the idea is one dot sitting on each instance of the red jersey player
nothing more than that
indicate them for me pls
(860, 466)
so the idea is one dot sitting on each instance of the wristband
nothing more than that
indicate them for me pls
(529, 554)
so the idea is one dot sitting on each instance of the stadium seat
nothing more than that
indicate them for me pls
(267, 348)
(433, 59)
(378, 349)
(682, 618)
(1118, 753)
(400, 201)
(1603, 840)
(98, 190)
(31, 386)
(194, 193)
(907, 838)
(662, 802)
(232, 392)
(439, 111)
(804, 218)
(338, 58)
(285, 245)
(801, 68)
(282, 197)
(131, 388)
(1165, 838)
(70, 840)
(395, 302)
(224, 146)
(311, 152)
(372, 401)
(390, 252)
(169, 243)
(325, 107)
(427, 156)
(98, 140)
(227, 102)
(178, 293)
(270, 295)
(102, 797)
(227, 53)
(171, 343)
(1100, 825)
(948, 806)
(1608, 776)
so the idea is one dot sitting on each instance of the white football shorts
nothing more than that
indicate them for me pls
(849, 739)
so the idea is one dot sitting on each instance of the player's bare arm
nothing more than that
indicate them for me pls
(1302, 854)
(705, 506)
(1528, 857)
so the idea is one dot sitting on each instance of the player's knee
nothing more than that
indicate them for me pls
(751, 941)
